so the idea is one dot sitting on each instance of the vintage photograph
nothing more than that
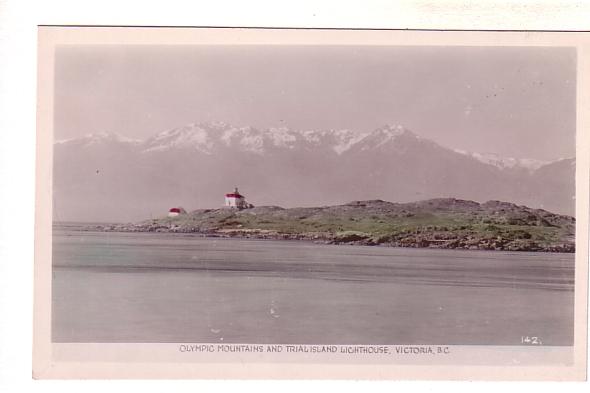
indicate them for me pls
(310, 199)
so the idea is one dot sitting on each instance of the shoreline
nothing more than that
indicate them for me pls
(442, 223)
(425, 241)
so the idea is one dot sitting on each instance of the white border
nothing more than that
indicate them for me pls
(91, 364)
(18, 20)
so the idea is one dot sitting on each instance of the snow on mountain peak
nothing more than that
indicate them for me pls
(209, 137)
(258, 141)
(505, 162)
(246, 138)
(190, 136)
(337, 140)
(216, 124)
(383, 135)
(392, 130)
(282, 137)
(99, 138)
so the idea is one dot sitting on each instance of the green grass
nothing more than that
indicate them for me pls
(342, 222)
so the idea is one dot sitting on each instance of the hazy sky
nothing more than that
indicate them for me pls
(517, 102)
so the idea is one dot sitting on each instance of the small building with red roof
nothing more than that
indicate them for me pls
(176, 211)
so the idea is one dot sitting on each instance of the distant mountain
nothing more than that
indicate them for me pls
(506, 163)
(553, 186)
(106, 177)
(213, 138)
(99, 139)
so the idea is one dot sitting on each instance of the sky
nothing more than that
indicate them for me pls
(512, 101)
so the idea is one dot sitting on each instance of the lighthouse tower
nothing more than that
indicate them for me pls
(236, 200)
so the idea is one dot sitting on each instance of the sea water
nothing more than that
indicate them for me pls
(161, 287)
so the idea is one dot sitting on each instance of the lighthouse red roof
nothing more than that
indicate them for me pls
(175, 210)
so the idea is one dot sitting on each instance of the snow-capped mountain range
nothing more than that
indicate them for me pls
(99, 138)
(193, 164)
(209, 138)
(506, 162)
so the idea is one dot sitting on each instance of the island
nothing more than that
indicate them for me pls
(446, 223)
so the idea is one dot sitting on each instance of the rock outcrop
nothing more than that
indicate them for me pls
(436, 223)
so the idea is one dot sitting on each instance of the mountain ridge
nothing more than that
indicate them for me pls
(106, 176)
(347, 137)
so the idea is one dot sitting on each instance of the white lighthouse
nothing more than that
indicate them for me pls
(236, 200)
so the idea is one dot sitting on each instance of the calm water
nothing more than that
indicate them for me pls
(146, 287)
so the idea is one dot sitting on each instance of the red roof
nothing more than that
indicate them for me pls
(175, 210)
(233, 195)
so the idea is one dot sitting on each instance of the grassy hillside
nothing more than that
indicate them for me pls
(440, 223)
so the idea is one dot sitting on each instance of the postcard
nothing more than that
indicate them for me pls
(308, 203)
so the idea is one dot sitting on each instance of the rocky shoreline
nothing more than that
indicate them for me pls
(410, 240)
(444, 223)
